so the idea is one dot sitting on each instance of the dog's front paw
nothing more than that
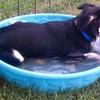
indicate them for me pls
(92, 55)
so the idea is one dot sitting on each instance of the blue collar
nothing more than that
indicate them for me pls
(88, 38)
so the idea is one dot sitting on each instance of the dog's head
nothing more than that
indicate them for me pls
(88, 20)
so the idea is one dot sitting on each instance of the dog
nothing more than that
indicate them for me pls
(73, 38)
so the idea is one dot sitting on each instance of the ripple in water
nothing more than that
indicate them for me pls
(59, 67)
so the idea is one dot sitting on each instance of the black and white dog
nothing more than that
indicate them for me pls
(52, 39)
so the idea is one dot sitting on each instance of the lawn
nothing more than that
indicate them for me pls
(9, 91)
(9, 8)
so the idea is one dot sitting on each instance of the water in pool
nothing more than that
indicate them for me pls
(56, 66)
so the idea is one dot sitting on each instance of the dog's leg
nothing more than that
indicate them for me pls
(12, 57)
(92, 55)
(17, 55)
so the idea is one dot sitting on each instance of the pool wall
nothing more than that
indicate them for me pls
(42, 81)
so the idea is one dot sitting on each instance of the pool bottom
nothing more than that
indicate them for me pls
(56, 66)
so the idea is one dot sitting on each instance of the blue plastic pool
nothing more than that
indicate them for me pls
(42, 81)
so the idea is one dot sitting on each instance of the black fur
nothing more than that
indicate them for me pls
(51, 39)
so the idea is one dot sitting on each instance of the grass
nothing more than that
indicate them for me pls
(9, 8)
(9, 91)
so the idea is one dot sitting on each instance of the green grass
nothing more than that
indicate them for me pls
(28, 6)
(9, 91)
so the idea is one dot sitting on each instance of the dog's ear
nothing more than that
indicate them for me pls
(85, 6)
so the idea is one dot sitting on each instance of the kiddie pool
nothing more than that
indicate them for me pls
(41, 81)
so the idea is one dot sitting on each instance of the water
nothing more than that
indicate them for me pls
(56, 66)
